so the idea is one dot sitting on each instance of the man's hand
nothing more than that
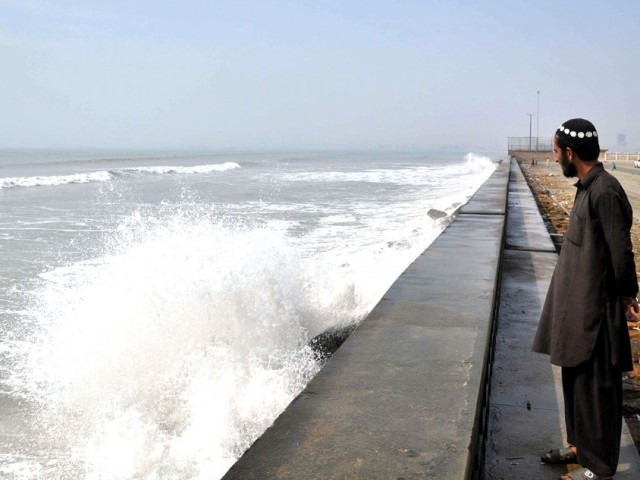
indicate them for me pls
(632, 308)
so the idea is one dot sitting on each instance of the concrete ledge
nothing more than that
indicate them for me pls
(403, 396)
(525, 227)
(491, 198)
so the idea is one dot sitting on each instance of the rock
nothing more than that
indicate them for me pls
(436, 214)
(329, 341)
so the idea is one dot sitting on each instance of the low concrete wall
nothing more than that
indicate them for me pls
(404, 396)
(526, 156)
(541, 156)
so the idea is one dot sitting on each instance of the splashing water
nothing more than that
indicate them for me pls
(168, 355)
(157, 358)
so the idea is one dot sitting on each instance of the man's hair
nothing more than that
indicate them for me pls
(581, 136)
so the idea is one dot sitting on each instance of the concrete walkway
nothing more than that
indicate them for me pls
(525, 412)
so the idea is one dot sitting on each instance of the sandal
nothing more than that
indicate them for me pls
(560, 457)
(581, 474)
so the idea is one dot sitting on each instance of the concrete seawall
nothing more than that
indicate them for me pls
(439, 382)
(404, 396)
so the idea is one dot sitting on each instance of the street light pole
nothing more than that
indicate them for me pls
(530, 116)
(538, 121)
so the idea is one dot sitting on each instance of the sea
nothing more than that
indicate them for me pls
(157, 308)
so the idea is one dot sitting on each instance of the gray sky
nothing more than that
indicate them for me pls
(313, 73)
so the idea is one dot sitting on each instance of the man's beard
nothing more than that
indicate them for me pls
(569, 170)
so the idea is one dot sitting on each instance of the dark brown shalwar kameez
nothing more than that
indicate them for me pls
(583, 326)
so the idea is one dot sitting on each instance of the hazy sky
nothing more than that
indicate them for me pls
(313, 73)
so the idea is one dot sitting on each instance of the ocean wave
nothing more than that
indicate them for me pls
(399, 176)
(415, 175)
(54, 180)
(175, 350)
(104, 176)
(160, 170)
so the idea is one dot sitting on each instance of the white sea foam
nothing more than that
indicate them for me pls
(170, 356)
(415, 175)
(104, 176)
(410, 175)
(54, 180)
(222, 167)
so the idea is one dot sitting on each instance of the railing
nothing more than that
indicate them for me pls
(621, 156)
(529, 144)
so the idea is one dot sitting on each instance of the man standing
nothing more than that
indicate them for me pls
(583, 325)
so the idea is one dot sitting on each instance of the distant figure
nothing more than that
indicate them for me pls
(583, 323)
(547, 162)
(533, 161)
(613, 165)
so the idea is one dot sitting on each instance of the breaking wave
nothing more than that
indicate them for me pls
(106, 175)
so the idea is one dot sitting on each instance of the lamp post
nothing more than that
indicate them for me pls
(538, 121)
(530, 117)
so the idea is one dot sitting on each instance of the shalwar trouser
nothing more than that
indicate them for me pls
(593, 411)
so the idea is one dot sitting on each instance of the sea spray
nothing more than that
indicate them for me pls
(168, 357)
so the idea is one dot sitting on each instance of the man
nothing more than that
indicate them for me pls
(583, 326)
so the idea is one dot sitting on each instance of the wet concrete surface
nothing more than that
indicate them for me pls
(525, 407)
